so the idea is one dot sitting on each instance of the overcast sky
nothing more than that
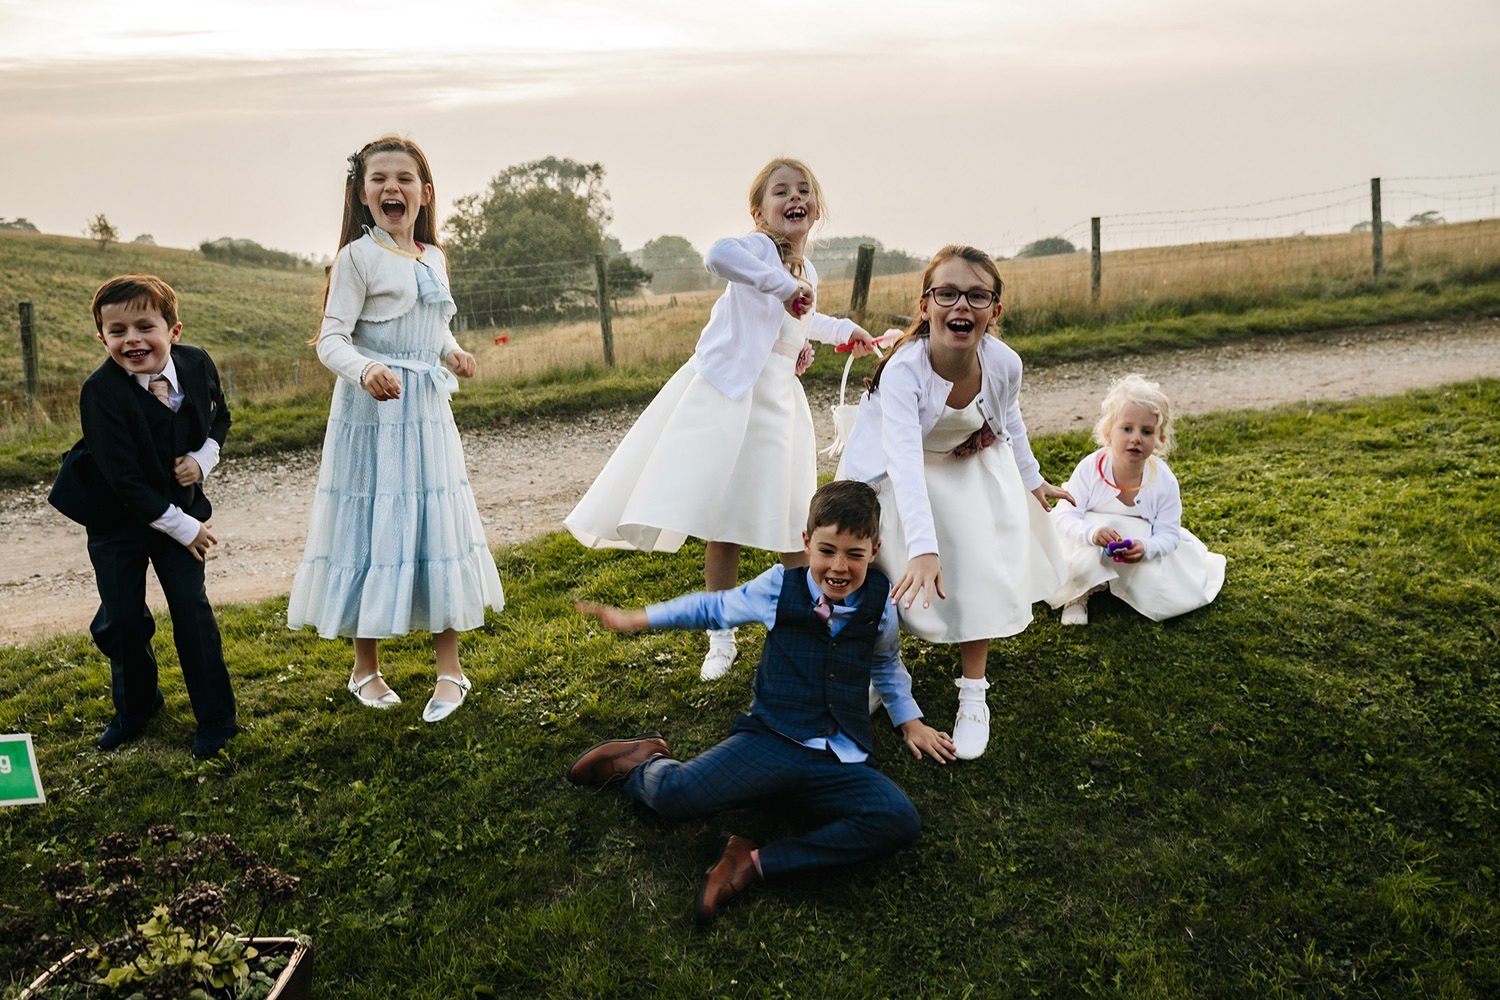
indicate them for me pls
(986, 121)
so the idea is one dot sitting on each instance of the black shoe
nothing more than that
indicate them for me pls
(118, 732)
(207, 745)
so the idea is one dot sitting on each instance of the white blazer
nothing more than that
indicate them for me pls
(893, 420)
(744, 322)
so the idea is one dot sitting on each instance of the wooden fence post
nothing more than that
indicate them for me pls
(28, 363)
(1377, 228)
(1095, 270)
(604, 329)
(859, 297)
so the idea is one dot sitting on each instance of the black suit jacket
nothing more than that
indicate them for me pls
(120, 473)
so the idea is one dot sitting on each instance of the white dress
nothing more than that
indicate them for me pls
(394, 540)
(998, 549)
(700, 464)
(1183, 580)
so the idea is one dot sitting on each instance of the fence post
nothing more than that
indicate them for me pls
(1377, 228)
(609, 337)
(28, 363)
(1095, 270)
(859, 297)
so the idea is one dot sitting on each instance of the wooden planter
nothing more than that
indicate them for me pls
(294, 983)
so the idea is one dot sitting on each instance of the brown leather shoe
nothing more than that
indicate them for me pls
(605, 763)
(731, 875)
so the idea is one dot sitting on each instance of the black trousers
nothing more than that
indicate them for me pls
(123, 627)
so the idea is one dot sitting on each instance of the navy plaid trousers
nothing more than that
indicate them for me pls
(863, 814)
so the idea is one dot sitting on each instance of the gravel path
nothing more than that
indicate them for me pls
(528, 477)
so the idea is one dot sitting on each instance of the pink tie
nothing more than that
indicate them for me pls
(822, 609)
(161, 389)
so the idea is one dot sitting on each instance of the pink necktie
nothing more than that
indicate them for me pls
(822, 609)
(161, 389)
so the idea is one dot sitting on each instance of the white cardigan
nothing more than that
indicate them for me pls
(371, 283)
(894, 419)
(1159, 502)
(744, 323)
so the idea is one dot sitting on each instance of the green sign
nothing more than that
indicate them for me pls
(20, 782)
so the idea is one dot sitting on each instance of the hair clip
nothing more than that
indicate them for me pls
(353, 164)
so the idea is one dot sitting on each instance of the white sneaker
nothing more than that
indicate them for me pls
(722, 649)
(971, 730)
(1076, 612)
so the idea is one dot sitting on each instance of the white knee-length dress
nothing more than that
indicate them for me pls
(697, 463)
(998, 549)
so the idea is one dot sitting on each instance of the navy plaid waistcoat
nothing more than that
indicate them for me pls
(810, 682)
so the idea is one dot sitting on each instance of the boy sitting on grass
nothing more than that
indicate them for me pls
(806, 740)
(154, 419)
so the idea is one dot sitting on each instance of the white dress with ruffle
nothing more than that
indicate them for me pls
(998, 550)
(1183, 580)
(699, 464)
(394, 541)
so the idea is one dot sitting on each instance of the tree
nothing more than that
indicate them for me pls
(101, 229)
(845, 249)
(145, 240)
(1047, 247)
(1427, 218)
(524, 250)
(1363, 226)
(18, 223)
(674, 265)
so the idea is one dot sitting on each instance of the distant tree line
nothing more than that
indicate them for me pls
(227, 250)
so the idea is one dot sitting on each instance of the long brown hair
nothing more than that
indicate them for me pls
(920, 327)
(357, 215)
(794, 261)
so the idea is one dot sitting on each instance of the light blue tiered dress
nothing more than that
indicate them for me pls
(394, 541)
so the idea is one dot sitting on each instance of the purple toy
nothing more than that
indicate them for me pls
(1114, 547)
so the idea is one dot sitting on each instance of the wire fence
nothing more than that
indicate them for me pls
(544, 315)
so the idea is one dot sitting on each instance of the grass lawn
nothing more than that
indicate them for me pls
(1290, 793)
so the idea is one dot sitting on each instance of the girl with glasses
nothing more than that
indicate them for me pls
(964, 505)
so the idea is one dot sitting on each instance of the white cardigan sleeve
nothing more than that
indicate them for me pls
(901, 440)
(347, 287)
(1165, 509)
(735, 259)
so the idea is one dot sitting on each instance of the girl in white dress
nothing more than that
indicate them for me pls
(963, 501)
(394, 541)
(1123, 529)
(726, 451)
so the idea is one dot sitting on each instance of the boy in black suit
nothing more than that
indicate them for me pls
(154, 419)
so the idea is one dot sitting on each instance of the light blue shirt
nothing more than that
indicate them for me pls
(756, 601)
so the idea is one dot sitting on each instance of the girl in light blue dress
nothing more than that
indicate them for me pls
(394, 541)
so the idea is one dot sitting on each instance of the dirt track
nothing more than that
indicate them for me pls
(528, 477)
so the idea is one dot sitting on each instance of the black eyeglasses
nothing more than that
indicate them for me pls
(978, 298)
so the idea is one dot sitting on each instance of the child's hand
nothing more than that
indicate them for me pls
(924, 573)
(187, 470)
(860, 342)
(1104, 536)
(614, 619)
(801, 301)
(381, 383)
(206, 540)
(463, 364)
(922, 739)
(1047, 493)
(1134, 554)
